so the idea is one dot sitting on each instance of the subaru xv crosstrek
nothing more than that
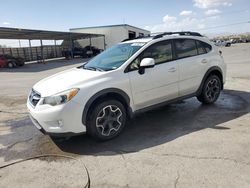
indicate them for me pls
(131, 77)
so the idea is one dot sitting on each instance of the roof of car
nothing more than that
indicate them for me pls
(146, 40)
(165, 35)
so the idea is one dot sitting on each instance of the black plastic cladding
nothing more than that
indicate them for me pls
(187, 33)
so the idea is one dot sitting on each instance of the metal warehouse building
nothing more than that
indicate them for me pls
(113, 34)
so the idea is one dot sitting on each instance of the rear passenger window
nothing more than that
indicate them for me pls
(185, 48)
(200, 47)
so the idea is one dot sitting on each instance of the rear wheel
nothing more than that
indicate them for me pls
(11, 65)
(211, 90)
(106, 120)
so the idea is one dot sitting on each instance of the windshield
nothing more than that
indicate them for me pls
(113, 57)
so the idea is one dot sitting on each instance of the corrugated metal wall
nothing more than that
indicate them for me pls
(34, 53)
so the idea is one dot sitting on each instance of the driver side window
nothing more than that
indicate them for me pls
(161, 52)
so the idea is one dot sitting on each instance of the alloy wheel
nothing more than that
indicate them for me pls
(212, 89)
(109, 120)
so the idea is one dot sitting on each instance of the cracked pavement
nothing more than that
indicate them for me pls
(184, 144)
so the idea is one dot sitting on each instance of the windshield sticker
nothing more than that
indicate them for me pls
(138, 44)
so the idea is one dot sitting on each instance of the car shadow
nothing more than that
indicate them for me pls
(39, 67)
(163, 125)
(20, 139)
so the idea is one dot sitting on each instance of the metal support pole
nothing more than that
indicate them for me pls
(90, 42)
(52, 52)
(25, 55)
(55, 48)
(30, 50)
(11, 52)
(47, 50)
(17, 49)
(71, 46)
(36, 54)
(19, 43)
(41, 42)
(104, 40)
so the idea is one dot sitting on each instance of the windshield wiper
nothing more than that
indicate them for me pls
(93, 68)
(90, 68)
(99, 69)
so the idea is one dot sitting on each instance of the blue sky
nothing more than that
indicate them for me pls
(158, 15)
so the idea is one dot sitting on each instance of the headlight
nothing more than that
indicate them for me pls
(60, 98)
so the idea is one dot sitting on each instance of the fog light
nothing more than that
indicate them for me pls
(60, 123)
(55, 124)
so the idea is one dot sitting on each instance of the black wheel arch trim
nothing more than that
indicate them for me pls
(104, 92)
(211, 69)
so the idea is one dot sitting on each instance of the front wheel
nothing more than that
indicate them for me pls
(106, 120)
(211, 90)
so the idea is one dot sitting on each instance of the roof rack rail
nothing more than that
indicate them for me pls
(187, 33)
(160, 35)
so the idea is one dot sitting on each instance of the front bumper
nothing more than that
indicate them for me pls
(40, 128)
(61, 120)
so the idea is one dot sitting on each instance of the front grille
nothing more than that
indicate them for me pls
(34, 97)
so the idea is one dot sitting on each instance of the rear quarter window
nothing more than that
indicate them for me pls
(200, 47)
(203, 47)
(207, 46)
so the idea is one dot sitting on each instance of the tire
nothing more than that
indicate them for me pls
(11, 65)
(210, 90)
(106, 120)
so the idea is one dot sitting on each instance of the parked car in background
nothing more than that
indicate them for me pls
(90, 51)
(86, 52)
(233, 41)
(245, 40)
(19, 61)
(4, 63)
(10, 61)
(223, 43)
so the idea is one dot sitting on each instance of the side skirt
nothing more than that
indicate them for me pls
(155, 106)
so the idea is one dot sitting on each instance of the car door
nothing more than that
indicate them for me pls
(157, 84)
(191, 65)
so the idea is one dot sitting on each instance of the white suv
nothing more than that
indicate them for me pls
(131, 77)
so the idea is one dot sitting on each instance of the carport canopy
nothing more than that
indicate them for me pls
(30, 34)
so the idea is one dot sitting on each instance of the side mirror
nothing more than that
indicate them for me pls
(146, 63)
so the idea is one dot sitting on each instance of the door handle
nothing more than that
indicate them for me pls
(172, 69)
(204, 61)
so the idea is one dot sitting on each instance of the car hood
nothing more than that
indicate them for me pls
(65, 80)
